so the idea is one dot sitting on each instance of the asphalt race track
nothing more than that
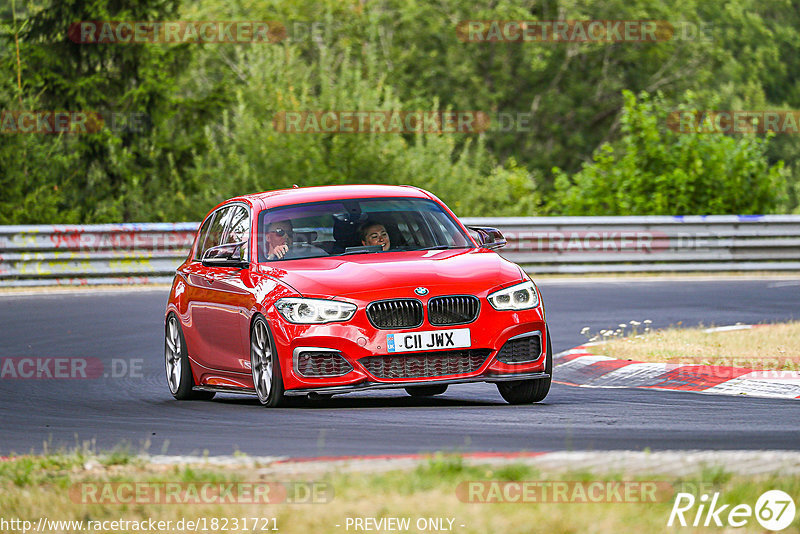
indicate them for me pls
(137, 409)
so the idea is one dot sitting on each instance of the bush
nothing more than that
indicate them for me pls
(653, 170)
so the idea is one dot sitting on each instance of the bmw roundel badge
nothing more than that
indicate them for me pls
(421, 291)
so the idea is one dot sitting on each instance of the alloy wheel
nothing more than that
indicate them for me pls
(261, 360)
(172, 355)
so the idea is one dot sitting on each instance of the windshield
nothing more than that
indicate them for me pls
(356, 226)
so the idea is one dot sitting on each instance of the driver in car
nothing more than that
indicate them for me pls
(373, 233)
(279, 239)
(280, 243)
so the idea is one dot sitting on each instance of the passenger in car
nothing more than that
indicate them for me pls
(374, 233)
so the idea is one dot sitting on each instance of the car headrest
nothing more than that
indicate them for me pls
(305, 237)
(345, 231)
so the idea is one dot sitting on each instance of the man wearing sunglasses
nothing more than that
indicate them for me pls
(279, 239)
(281, 245)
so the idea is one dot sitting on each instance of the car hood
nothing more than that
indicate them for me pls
(385, 275)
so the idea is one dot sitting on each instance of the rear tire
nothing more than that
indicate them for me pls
(178, 368)
(529, 391)
(425, 391)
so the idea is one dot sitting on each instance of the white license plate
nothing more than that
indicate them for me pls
(428, 340)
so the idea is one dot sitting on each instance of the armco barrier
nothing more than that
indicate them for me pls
(149, 253)
(92, 254)
(650, 243)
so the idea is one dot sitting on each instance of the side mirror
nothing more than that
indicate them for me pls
(490, 238)
(229, 255)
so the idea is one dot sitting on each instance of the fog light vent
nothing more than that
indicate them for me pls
(521, 349)
(315, 363)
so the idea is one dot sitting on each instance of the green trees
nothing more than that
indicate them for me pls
(208, 109)
(248, 154)
(121, 171)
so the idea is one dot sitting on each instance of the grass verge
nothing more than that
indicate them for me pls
(767, 347)
(432, 494)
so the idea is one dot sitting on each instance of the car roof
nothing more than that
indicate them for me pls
(301, 195)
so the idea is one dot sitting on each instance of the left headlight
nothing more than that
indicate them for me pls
(314, 311)
(519, 297)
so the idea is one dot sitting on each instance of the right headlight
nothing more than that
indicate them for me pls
(314, 311)
(518, 297)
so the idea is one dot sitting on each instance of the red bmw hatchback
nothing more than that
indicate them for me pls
(327, 290)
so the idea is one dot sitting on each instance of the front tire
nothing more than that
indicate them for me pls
(176, 360)
(426, 391)
(265, 365)
(529, 391)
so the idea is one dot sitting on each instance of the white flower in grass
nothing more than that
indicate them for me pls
(584, 330)
(635, 323)
(622, 325)
(648, 321)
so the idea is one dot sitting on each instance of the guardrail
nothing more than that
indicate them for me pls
(93, 254)
(651, 243)
(150, 252)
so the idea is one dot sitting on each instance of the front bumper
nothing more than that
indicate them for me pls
(358, 339)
